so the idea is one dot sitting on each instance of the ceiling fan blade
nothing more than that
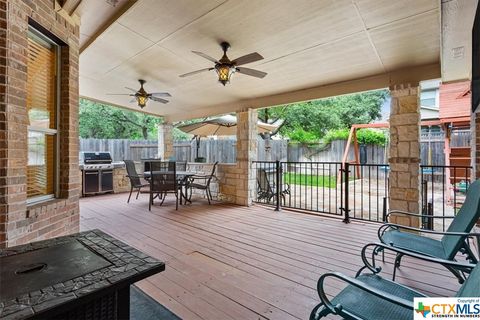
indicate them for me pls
(206, 56)
(120, 94)
(160, 94)
(131, 89)
(194, 72)
(249, 58)
(252, 72)
(159, 99)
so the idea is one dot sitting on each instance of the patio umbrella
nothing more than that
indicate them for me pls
(220, 126)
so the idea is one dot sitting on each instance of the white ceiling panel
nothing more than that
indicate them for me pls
(156, 19)
(305, 43)
(408, 42)
(379, 12)
(274, 28)
(111, 49)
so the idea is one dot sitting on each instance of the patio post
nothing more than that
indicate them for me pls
(475, 125)
(475, 130)
(404, 179)
(246, 153)
(165, 141)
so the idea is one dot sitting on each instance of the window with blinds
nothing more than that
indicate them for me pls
(42, 117)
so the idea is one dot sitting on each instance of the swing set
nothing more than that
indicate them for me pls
(456, 156)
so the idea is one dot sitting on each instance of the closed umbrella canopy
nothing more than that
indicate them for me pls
(221, 126)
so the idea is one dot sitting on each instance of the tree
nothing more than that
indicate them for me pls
(307, 120)
(107, 122)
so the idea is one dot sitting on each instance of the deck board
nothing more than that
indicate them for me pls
(231, 262)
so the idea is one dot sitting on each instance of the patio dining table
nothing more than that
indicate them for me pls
(182, 177)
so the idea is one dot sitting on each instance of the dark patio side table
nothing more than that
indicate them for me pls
(82, 276)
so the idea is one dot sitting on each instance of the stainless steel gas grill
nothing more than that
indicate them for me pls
(97, 172)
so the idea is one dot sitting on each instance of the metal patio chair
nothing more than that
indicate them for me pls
(136, 180)
(455, 239)
(370, 296)
(205, 180)
(267, 189)
(163, 181)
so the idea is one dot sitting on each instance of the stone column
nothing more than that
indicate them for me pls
(246, 153)
(165, 141)
(404, 183)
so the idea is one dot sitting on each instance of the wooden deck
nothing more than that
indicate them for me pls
(231, 262)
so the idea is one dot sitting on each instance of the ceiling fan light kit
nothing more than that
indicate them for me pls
(225, 67)
(141, 96)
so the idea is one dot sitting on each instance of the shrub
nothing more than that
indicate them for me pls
(364, 136)
(336, 134)
(301, 136)
(369, 136)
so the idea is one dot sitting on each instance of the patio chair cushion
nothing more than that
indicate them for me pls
(368, 306)
(414, 242)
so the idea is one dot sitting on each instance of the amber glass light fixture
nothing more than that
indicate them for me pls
(224, 72)
(141, 100)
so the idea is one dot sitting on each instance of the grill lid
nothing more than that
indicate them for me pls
(97, 157)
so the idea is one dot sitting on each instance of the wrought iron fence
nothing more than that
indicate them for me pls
(313, 186)
(357, 191)
(443, 192)
(367, 191)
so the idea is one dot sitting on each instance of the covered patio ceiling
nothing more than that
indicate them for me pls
(312, 49)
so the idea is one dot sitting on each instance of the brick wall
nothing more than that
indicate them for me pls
(3, 123)
(20, 223)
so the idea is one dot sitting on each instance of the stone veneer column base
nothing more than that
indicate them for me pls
(237, 181)
(165, 141)
(404, 181)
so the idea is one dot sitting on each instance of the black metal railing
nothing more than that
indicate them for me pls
(367, 191)
(268, 183)
(311, 186)
(443, 192)
(357, 191)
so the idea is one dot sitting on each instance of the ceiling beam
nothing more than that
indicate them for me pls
(412, 75)
(108, 23)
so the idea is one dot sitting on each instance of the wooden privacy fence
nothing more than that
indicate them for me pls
(224, 150)
(122, 149)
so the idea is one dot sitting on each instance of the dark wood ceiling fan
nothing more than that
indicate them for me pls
(226, 67)
(141, 96)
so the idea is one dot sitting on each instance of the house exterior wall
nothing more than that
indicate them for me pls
(19, 222)
(455, 100)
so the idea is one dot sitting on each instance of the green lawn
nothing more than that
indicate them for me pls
(310, 180)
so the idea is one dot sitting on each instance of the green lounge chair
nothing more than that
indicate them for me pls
(455, 239)
(369, 296)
